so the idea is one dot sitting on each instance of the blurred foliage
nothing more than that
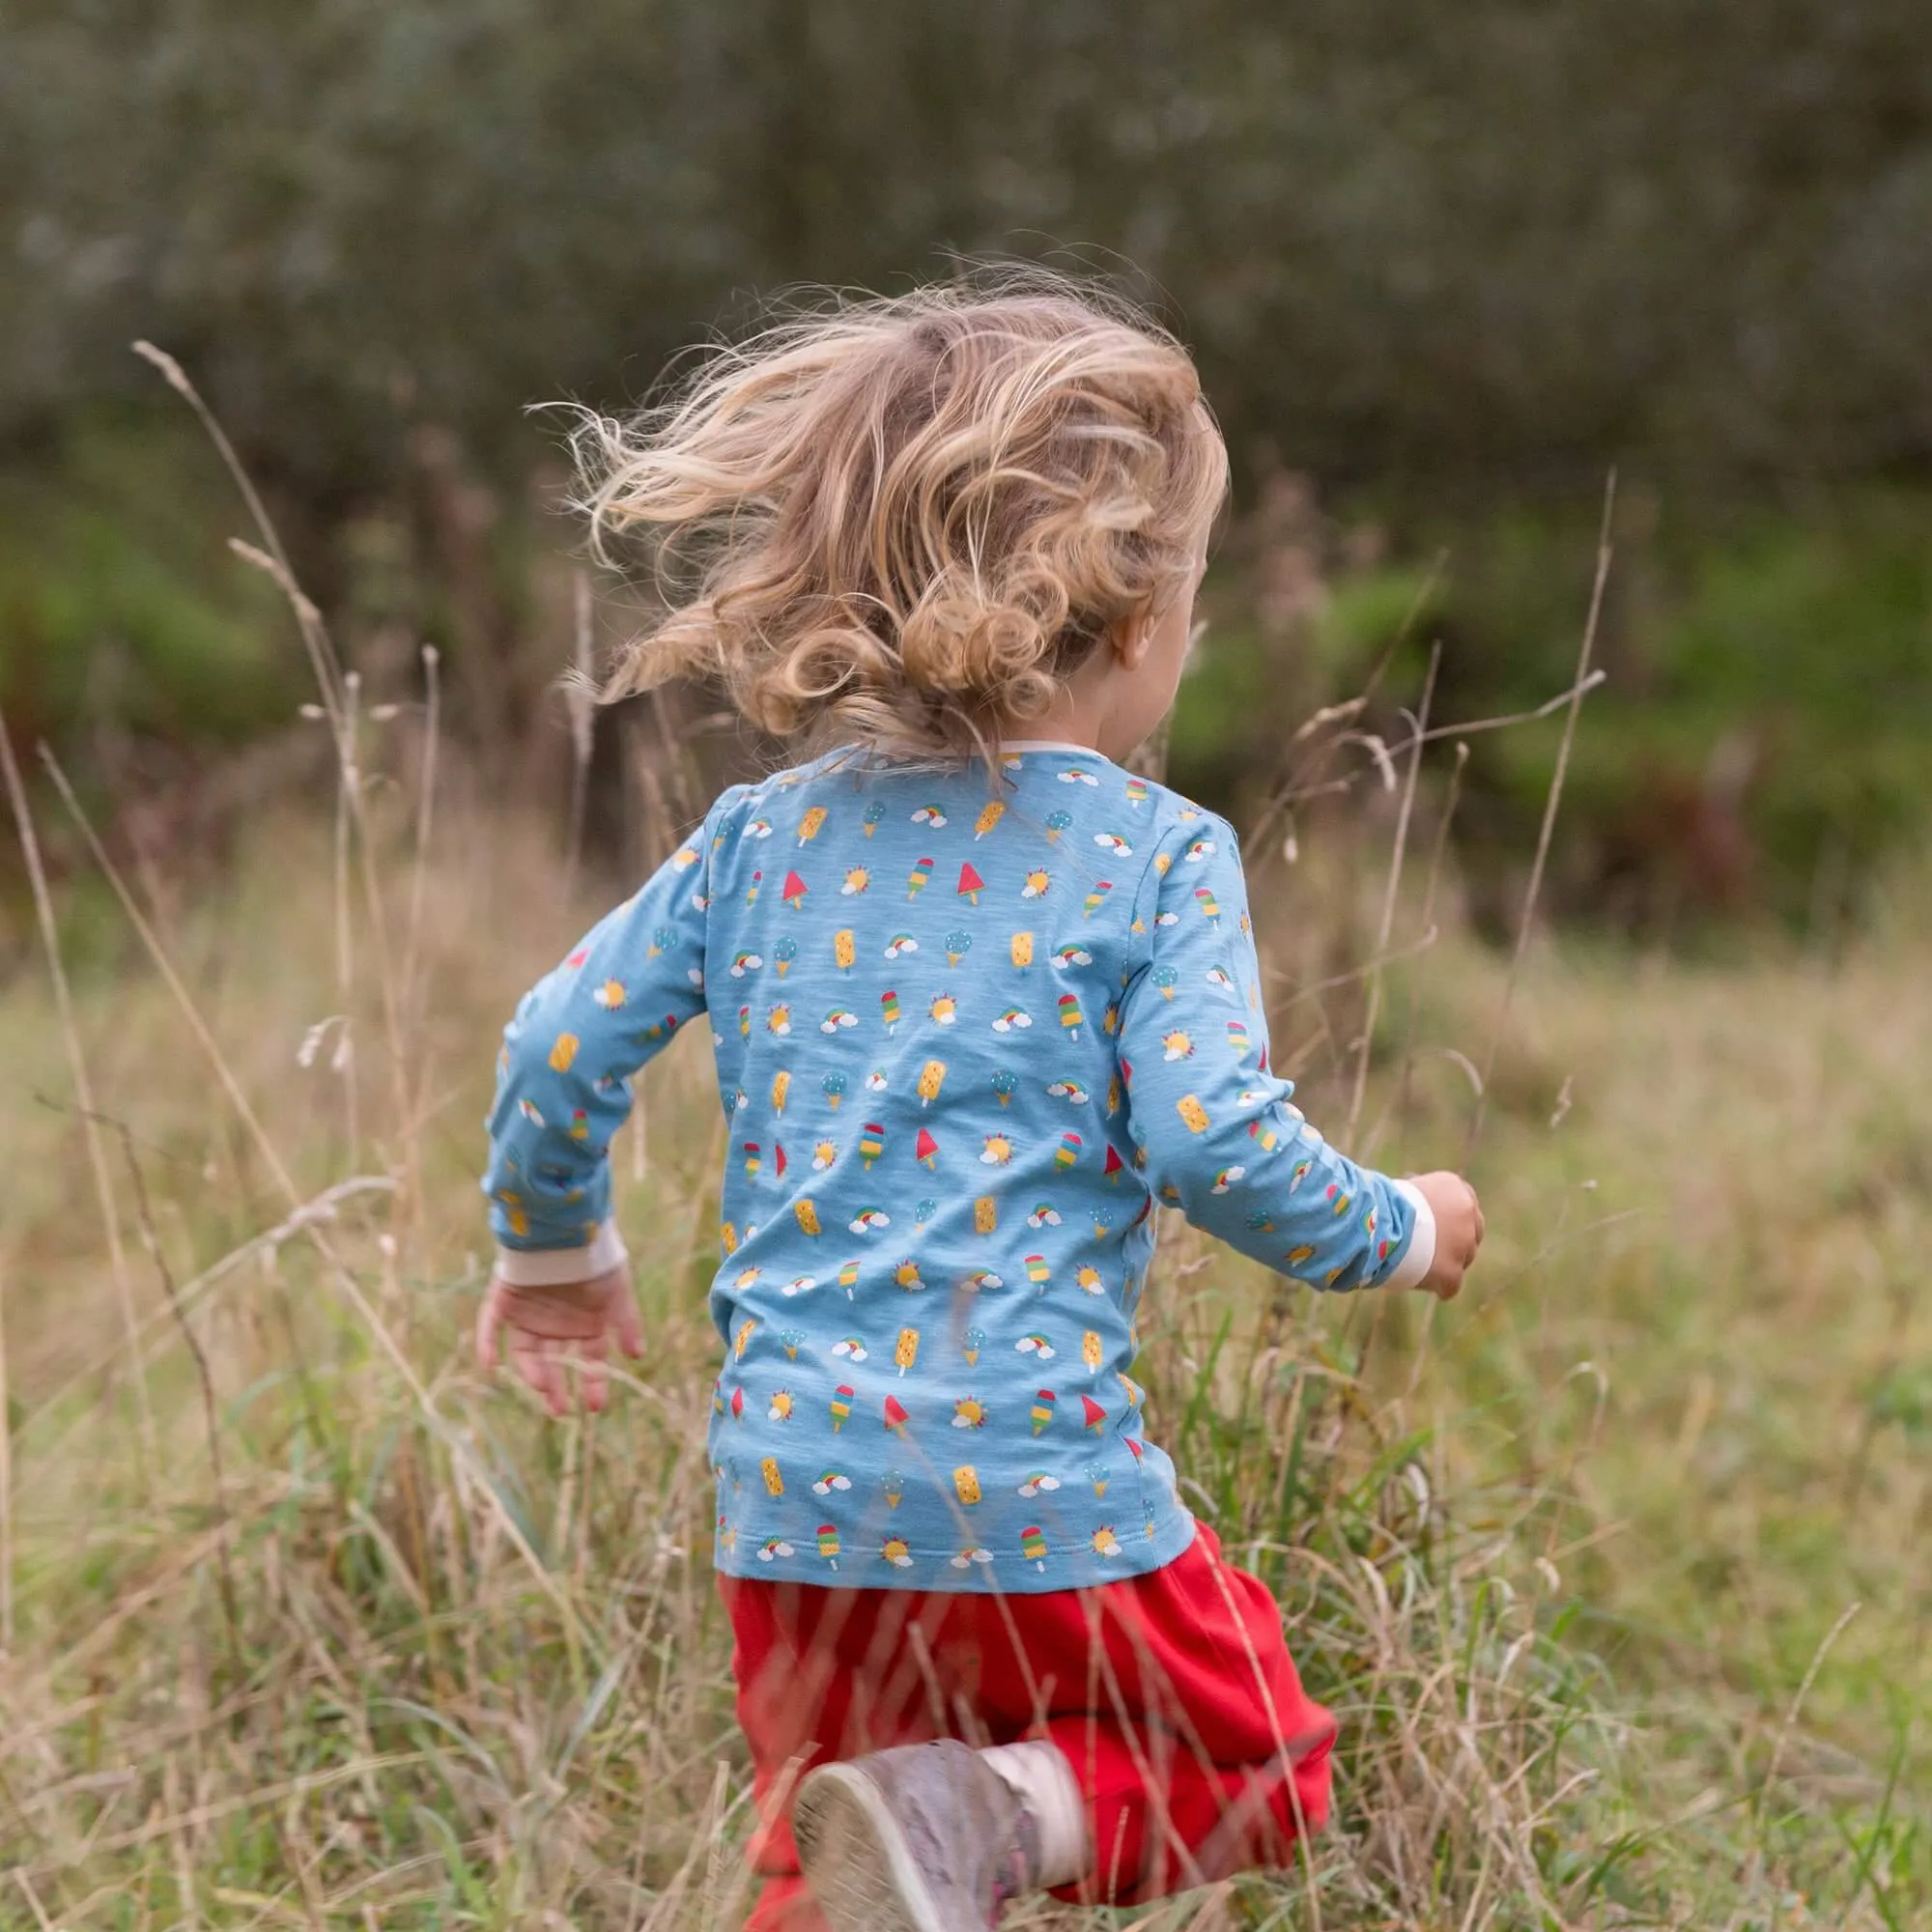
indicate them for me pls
(120, 604)
(1759, 743)
(1453, 276)
(1555, 233)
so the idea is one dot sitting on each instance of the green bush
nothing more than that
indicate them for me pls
(121, 610)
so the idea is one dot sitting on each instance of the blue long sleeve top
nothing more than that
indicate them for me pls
(969, 1037)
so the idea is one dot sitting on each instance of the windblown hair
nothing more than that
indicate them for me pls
(903, 522)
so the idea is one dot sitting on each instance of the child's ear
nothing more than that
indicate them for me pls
(1129, 639)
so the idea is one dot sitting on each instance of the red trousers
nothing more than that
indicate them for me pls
(1172, 1696)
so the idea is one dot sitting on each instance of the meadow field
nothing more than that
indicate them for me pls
(1615, 1569)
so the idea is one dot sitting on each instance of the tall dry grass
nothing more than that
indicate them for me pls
(306, 1624)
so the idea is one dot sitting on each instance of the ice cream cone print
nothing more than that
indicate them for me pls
(780, 1088)
(808, 825)
(985, 1214)
(907, 1351)
(894, 1486)
(1096, 1474)
(1022, 949)
(806, 1215)
(875, 813)
(1003, 1084)
(991, 814)
(844, 950)
(563, 1053)
(931, 1077)
(971, 885)
(974, 1340)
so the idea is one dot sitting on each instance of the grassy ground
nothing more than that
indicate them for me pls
(304, 1625)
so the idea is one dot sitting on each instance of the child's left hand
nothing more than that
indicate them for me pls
(548, 1326)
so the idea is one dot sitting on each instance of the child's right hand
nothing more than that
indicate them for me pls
(548, 1326)
(1458, 1231)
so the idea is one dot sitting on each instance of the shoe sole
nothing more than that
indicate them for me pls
(856, 1859)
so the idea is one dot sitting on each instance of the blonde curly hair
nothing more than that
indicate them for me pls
(905, 520)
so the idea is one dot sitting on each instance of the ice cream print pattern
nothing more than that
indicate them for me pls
(969, 1038)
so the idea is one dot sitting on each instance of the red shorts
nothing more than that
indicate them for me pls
(1172, 1696)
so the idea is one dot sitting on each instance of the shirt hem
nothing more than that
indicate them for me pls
(940, 1573)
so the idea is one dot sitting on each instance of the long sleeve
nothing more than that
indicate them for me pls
(567, 1057)
(1219, 1134)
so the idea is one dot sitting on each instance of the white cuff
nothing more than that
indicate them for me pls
(560, 1267)
(1421, 1255)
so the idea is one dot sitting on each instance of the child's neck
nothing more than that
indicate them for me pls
(1066, 720)
(1083, 713)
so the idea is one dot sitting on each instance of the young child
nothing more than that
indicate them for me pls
(982, 1003)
